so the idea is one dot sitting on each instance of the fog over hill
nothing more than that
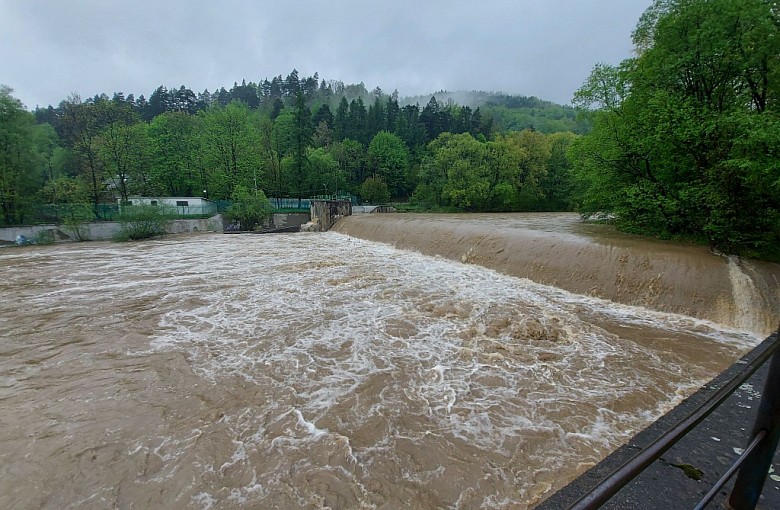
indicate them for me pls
(476, 98)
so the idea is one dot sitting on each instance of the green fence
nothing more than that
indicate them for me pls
(189, 211)
(60, 213)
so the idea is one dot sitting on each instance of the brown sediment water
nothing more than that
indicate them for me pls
(319, 371)
(559, 249)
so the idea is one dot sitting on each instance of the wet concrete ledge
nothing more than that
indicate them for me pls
(711, 448)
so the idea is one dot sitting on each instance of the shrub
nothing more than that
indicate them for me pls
(44, 237)
(248, 208)
(75, 221)
(143, 222)
(374, 191)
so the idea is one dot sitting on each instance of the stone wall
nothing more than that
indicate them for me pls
(286, 220)
(104, 230)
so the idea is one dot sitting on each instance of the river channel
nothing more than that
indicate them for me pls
(320, 371)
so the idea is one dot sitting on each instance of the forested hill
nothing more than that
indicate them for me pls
(511, 112)
(287, 137)
(682, 142)
(503, 111)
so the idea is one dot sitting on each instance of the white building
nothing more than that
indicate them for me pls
(184, 205)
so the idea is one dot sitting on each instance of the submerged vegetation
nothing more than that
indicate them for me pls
(679, 141)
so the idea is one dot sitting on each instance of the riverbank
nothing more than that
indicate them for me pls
(105, 230)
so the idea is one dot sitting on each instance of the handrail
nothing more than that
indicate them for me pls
(751, 478)
(621, 476)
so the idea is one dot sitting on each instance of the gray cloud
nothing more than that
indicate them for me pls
(49, 48)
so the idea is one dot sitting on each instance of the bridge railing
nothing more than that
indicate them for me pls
(752, 466)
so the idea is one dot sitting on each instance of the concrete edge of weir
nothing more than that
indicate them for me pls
(689, 469)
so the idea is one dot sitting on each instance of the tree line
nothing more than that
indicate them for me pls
(293, 137)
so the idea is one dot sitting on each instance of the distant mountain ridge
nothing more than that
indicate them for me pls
(507, 112)
(511, 112)
(478, 98)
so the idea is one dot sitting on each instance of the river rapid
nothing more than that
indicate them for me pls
(318, 371)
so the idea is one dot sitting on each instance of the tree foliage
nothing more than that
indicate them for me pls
(175, 168)
(467, 173)
(389, 159)
(229, 147)
(374, 190)
(248, 208)
(20, 164)
(686, 135)
(293, 136)
(143, 222)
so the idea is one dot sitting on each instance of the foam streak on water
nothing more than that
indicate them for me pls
(317, 370)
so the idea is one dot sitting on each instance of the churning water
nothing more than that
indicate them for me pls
(314, 371)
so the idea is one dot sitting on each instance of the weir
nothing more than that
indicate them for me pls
(677, 461)
(559, 250)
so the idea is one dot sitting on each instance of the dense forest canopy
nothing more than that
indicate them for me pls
(288, 137)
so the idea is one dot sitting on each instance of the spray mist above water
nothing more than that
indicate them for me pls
(318, 370)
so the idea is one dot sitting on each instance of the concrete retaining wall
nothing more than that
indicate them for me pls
(285, 220)
(104, 230)
(360, 209)
(325, 213)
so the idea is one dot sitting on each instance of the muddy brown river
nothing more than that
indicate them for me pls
(327, 371)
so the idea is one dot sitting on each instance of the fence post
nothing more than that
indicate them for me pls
(752, 475)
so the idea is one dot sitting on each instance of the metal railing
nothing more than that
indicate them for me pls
(752, 465)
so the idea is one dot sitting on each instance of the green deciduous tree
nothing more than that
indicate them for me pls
(555, 186)
(685, 134)
(249, 208)
(176, 168)
(121, 145)
(324, 174)
(374, 191)
(389, 159)
(466, 173)
(230, 145)
(20, 164)
(351, 158)
(81, 124)
(64, 190)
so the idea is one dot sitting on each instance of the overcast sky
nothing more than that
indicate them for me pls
(545, 48)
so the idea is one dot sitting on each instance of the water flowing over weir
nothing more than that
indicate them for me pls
(558, 249)
(317, 370)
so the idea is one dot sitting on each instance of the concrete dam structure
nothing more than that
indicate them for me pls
(557, 249)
